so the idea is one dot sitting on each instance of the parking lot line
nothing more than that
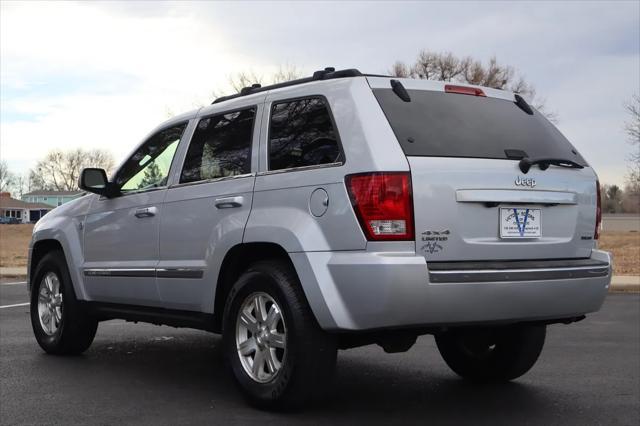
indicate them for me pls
(15, 283)
(14, 306)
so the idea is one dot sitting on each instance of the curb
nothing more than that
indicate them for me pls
(625, 283)
(12, 272)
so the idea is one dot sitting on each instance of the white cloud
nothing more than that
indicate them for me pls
(104, 73)
(173, 60)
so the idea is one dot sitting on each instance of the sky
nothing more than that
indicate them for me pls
(104, 74)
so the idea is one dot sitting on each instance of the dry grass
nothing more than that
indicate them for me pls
(14, 241)
(625, 247)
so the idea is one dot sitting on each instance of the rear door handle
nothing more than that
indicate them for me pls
(145, 212)
(229, 202)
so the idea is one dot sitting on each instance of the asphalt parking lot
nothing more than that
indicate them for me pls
(589, 373)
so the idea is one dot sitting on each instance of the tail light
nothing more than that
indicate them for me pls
(463, 90)
(383, 204)
(596, 233)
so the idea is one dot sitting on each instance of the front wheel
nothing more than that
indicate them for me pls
(278, 353)
(59, 323)
(492, 354)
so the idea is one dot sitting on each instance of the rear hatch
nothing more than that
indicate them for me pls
(471, 199)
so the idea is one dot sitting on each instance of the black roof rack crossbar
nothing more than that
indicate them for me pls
(325, 74)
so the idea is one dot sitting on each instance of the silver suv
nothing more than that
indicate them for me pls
(331, 212)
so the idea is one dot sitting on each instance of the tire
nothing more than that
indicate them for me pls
(301, 355)
(493, 354)
(69, 330)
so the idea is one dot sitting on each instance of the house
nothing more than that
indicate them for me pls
(52, 198)
(21, 210)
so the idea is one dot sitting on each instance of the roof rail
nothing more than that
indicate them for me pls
(325, 74)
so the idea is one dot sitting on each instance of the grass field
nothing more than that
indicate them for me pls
(625, 246)
(14, 243)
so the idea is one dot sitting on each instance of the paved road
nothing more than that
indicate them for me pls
(621, 222)
(589, 373)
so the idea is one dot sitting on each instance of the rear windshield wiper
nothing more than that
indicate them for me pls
(544, 163)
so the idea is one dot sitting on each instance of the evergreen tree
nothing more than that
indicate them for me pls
(152, 176)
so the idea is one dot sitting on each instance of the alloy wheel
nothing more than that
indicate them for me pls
(261, 337)
(50, 304)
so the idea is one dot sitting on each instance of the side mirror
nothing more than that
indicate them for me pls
(95, 180)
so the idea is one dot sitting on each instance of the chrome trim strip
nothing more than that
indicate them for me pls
(179, 273)
(133, 192)
(145, 272)
(493, 275)
(119, 272)
(220, 179)
(515, 196)
(303, 168)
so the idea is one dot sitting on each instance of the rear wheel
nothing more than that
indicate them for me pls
(59, 324)
(278, 353)
(492, 354)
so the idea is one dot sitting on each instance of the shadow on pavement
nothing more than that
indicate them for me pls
(183, 375)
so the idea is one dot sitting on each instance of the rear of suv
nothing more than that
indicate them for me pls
(332, 212)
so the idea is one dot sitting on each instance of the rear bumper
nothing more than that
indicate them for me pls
(368, 290)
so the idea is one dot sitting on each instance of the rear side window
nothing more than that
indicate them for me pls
(301, 134)
(220, 147)
(438, 124)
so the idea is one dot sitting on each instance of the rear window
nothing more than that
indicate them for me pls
(438, 124)
(301, 134)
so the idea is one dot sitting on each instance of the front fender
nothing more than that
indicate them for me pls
(64, 225)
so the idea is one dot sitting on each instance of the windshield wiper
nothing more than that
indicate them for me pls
(544, 163)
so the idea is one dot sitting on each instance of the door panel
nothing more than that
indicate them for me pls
(121, 249)
(206, 210)
(121, 233)
(199, 224)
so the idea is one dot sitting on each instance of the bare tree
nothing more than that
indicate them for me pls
(19, 185)
(6, 177)
(60, 170)
(244, 79)
(632, 127)
(444, 66)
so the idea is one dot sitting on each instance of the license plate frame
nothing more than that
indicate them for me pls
(520, 222)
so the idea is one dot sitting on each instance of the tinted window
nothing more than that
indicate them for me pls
(453, 125)
(302, 134)
(221, 146)
(149, 166)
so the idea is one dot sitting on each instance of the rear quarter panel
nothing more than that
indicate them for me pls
(281, 212)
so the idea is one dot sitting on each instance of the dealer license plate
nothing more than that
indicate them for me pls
(520, 223)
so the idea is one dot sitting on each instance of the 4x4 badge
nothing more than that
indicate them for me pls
(434, 240)
(522, 181)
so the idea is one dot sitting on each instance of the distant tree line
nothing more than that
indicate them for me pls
(58, 170)
(617, 200)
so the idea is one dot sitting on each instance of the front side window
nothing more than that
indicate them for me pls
(301, 134)
(149, 166)
(220, 147)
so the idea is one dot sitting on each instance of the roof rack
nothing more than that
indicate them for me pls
(325, 74)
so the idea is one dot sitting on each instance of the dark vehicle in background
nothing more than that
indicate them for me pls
(9, 221)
